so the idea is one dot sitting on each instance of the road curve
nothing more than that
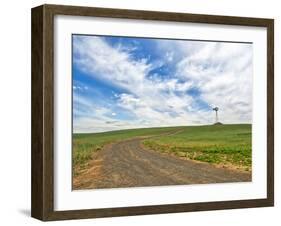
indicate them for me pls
(128, 164)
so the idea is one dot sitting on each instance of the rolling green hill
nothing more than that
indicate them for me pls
(225, 145)
(84, 145)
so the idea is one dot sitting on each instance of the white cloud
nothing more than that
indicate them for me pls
(113, 65)
(170, 56)
(221, 72)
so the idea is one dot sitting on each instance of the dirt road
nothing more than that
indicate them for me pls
(128, 164)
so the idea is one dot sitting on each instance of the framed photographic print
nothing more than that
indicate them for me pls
(141, 112)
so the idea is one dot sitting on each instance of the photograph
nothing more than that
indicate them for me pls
(159, 112)
(138, 112)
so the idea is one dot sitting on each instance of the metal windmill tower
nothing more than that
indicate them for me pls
(216, 109)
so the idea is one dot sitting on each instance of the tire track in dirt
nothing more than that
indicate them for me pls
(128, 164)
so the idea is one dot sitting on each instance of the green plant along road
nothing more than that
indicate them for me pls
(162, 156)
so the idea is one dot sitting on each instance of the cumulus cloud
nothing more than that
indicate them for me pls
(223, 74)
(203, 74)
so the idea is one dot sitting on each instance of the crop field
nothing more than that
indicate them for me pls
(223, 145)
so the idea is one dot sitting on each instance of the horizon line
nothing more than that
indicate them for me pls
(157, 128)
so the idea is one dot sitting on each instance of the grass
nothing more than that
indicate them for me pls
(85, 145)
(226, 145)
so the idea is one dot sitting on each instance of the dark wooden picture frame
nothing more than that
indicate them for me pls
(42, 203)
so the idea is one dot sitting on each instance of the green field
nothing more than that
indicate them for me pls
(84, 145)
(225, 145)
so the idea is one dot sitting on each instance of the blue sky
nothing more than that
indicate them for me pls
(123, 82)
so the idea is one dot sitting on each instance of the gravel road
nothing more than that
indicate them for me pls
(128, 164)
